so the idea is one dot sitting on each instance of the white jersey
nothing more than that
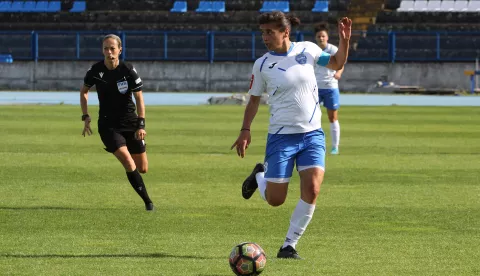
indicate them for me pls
(325, 79)
(289, 80)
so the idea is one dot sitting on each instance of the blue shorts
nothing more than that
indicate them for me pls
(330, 98)
(307, 150)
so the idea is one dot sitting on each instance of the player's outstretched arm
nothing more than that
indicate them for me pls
(344, 33)
(244, 138)
(84, 105)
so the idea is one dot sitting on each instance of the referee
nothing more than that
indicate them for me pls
(122, 131)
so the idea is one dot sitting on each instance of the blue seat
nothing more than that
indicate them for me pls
(17, 6)
(6, 59)
(179, 6)
(205, 6)
(29, 6)
(54, 6)
(41, 6)
(320, 6)
(218, 6)
(5, 6)
(78, 6)
(269, 6)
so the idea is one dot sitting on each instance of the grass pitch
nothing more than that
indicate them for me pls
(402, 198)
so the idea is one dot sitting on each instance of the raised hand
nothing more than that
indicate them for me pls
(345, 28)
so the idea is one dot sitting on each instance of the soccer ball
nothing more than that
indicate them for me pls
(247, 258)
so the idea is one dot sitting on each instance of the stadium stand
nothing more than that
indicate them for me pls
(374, 22)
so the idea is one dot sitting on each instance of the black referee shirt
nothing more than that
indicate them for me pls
(114, 90)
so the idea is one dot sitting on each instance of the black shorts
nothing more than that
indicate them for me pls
(114, 139)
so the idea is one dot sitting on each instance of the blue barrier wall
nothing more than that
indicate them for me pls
(232, 46)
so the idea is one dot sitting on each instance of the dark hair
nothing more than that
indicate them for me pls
(282, 21)
(323, 26)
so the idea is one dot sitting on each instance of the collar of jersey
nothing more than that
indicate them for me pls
(285, 54)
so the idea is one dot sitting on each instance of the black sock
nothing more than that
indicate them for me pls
(137, 183)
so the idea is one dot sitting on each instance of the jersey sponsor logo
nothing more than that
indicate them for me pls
(101, 74)
(122, 86)
(251, 81)
(271, 66)
(137, 81)
(301, 58)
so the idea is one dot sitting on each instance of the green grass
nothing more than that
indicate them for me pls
(402, 198)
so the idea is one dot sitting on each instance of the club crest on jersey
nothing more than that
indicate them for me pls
(301, 58)
(122, 86)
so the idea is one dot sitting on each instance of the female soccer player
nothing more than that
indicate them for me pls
(327, 81)
(122, 131)
(295, 135)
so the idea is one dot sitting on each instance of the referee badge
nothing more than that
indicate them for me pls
(301, 58)
(122, 86)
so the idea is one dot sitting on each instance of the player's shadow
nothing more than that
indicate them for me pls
(88, 256)
(40, 208)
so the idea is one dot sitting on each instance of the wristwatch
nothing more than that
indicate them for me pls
(85, 116)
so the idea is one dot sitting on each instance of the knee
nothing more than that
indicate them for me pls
(312, 192)
(275, 202)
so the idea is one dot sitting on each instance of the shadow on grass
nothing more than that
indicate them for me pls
(40, 208)
(87, 256)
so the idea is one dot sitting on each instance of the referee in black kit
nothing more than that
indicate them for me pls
(121, 130)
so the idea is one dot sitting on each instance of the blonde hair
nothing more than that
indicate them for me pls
(119, 41)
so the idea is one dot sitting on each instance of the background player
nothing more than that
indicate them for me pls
(327, 81)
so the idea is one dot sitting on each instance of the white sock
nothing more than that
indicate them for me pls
(298, 223)
(335, 130)
(262, 184)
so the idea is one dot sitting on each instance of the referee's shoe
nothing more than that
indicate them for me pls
(250, 184)
(149, 206)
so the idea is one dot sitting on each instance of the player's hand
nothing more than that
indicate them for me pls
(86, 128)
(140, 134)
(242, 142)
(345, 28)
(337, 76)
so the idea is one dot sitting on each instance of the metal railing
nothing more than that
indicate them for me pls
(232, 46)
